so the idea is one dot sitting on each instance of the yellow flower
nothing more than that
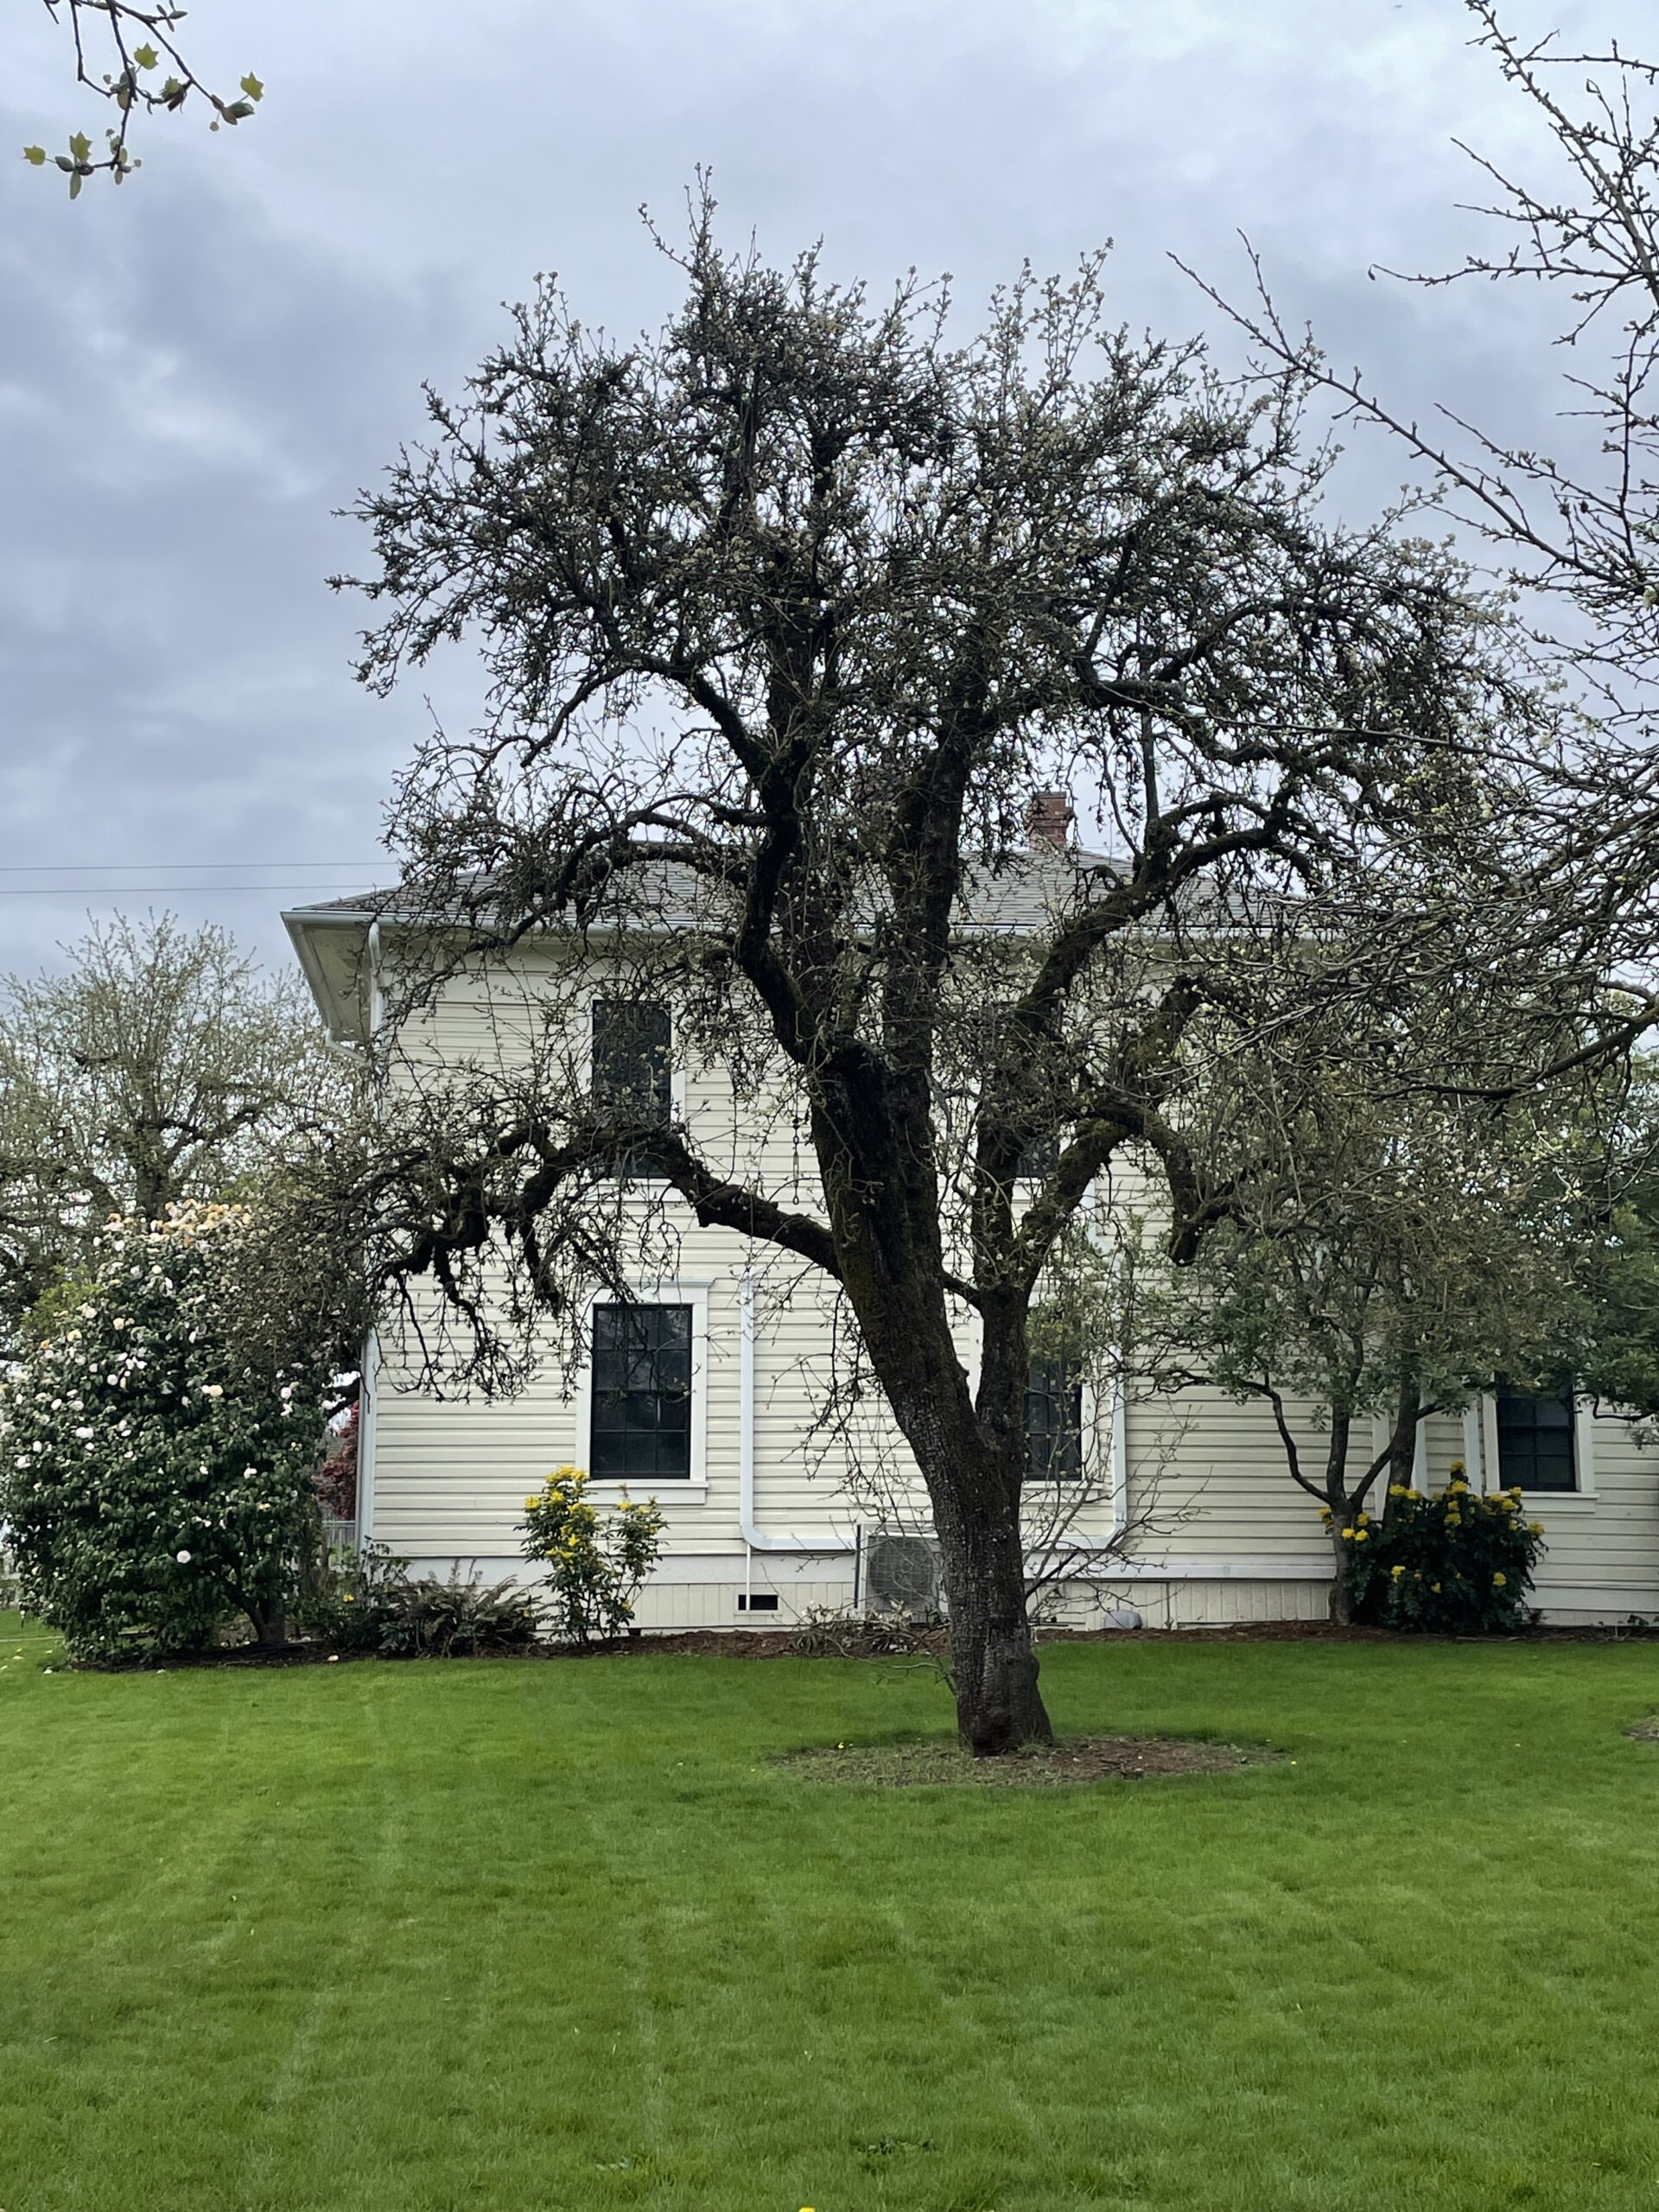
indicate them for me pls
(1396, 1571)
(1456, 1468)
(1534, 1528)
(1498, 1581)
(1435, 1587)
(530, 1504)
(1362, 1535)
(1398, 1490)
(1347, 1535)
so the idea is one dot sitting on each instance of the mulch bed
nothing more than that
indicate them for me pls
(784, 1643)
(1058, 1766)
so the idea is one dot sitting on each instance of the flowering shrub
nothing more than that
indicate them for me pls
(1459, 1564)
(596, 1566)
(157, 1484)
(374, 1605)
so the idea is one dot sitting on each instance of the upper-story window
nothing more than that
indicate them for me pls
(1536, 1439)
(633, 1069)
(1054, 1421)
(633, 1072)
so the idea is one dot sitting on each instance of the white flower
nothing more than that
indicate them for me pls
(83, 1433)
(213, 1390)
(88, 1313)
(183, 1558)
(21, 1460)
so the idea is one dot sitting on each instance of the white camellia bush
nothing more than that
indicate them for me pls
(157, 1483)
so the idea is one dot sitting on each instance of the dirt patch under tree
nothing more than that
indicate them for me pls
(1058, 1766)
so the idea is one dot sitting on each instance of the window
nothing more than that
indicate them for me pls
(1038, 1159)
(1536, 1440)
(641, 1418)
(1054, 1421)
(632, 1065)
(1033, 1082)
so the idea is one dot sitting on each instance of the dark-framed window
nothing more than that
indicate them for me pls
(1038, 1158)
(640, 1425)
(632, 1067)
(1040, 1154)
(1537, 1440)
(1054, 1421)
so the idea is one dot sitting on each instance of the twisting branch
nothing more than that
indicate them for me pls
(149, 73)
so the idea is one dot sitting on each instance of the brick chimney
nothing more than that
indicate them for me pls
(1048, 820)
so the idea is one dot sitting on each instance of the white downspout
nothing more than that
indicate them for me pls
(369, 1391)
(370, 1385)
(755, 1539)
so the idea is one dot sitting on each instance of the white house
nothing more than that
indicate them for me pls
(703, 1395)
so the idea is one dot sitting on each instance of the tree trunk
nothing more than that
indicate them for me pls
(999, 1706)
(1342, 1513)
(976, 1517)
(886, 1215)
(1342, 1602)
(1403, 1439)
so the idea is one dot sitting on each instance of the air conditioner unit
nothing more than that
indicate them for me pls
(899, 1573)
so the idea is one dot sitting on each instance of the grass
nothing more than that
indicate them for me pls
(530, 1937)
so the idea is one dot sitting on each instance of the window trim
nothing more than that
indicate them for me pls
(680, 1290)
(1583, 1457)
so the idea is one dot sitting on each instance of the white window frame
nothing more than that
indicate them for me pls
(1541, 1502)
(681, 1290)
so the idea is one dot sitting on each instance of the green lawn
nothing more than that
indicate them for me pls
(521, 1936)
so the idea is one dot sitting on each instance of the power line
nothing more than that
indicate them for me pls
(162, 868)
(112, 890)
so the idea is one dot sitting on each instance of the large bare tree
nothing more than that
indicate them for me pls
(788, 612)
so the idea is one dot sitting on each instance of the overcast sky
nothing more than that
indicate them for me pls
(197, 369)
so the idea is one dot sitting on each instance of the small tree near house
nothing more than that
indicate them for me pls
(786, 612)
(1384, 1257)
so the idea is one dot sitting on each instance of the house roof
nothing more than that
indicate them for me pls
(334, 938)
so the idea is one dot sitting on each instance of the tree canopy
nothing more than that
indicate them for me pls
(157, 1066)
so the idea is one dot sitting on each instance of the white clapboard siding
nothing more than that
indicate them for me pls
(1231, 1539)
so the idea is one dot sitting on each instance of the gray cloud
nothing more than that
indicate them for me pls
(195, 370)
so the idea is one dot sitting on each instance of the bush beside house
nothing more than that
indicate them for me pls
(1455, 1564)
(157, 1483)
